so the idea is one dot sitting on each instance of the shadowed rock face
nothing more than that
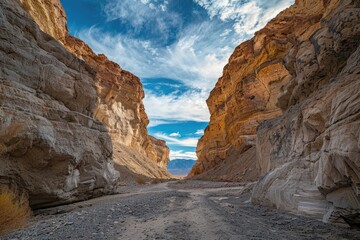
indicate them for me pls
(66, 114)
(290, 98)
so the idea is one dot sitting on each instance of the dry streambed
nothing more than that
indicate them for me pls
(178, 210)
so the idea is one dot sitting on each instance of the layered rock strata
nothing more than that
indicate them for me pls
(247, 92)
(290, 96)
(119, 105)
(65, 112)
(310, 156)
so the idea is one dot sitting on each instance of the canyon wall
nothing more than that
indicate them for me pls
(286, 112)
(120, 94)
(70, 120)
(247, 92)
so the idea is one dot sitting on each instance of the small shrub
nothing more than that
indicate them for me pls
(140, 180)
(14, 211)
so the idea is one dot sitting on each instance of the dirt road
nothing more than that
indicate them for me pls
(179, 210)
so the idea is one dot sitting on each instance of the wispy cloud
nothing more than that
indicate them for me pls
(248, 16)
(182, 155)
(157, 122)
(173, 107)
(186, 142)
(144, 15)
(199, 132)
(175, 134)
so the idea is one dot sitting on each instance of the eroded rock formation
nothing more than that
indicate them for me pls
(66, 114)
(288, 109)
(120, 93)
(311, 154)
(247, 92)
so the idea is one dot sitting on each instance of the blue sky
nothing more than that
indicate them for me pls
(178, 48)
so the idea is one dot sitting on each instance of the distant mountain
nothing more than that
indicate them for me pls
(180, 167)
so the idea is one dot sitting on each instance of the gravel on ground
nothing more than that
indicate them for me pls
(176, 210)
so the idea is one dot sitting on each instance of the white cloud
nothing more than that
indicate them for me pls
(226, 33)
(186, 142)
(175, 134)
(199, 132)
(249, 16)
(190, 106)
(143, 10)
(182, 155)
(156, 122)
(149, 15)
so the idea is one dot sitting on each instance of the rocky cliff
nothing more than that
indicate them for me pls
(247, 92)
(120, 93)
(288, 109)
(69, 118)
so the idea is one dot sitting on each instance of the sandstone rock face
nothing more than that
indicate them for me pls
(48, 99)
(119, 105)
(307, 150)
(247, 92)
(311, 154)
(49, 15)
(64, 114)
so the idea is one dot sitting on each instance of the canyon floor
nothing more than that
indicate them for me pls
(176, 210)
